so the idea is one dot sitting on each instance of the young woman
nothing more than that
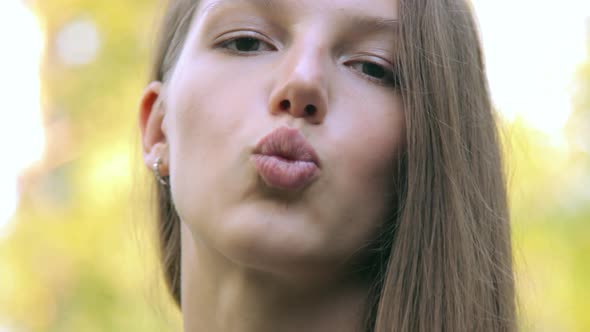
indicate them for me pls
(328, 165)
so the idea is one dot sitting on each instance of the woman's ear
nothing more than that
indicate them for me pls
(153, 137)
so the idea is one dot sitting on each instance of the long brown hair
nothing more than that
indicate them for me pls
(448, 260)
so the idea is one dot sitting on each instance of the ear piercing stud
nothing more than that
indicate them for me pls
(156, 168)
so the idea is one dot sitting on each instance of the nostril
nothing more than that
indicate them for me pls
(285, 105)
(310, 109)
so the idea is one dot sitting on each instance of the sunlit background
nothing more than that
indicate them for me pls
(72, 72)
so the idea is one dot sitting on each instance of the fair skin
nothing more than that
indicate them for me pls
(254, 257)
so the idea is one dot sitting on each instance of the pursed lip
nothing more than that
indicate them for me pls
(287, 143)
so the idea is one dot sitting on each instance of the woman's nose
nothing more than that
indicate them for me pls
(301, 86)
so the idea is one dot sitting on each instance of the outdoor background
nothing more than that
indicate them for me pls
(74, 233)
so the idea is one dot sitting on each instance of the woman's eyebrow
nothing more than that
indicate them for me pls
(359, 23)
(271, 5)
(372, 24)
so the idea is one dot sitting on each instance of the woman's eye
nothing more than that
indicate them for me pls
(375, 72)
(246, 45)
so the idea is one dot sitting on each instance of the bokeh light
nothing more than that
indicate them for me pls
(21, 128)
(78, 42)
(533, 49)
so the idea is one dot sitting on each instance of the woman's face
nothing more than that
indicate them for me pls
(249, 67)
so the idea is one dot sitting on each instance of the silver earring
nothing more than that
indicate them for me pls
(156, 168)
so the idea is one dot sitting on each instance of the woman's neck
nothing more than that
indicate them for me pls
(220, 296)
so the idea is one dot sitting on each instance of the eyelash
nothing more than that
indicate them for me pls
(391, 78)
(228, 41)
(390, 74)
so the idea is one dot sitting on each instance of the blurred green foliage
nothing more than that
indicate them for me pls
(80, 255)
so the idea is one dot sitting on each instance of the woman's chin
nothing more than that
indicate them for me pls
(284, 243)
